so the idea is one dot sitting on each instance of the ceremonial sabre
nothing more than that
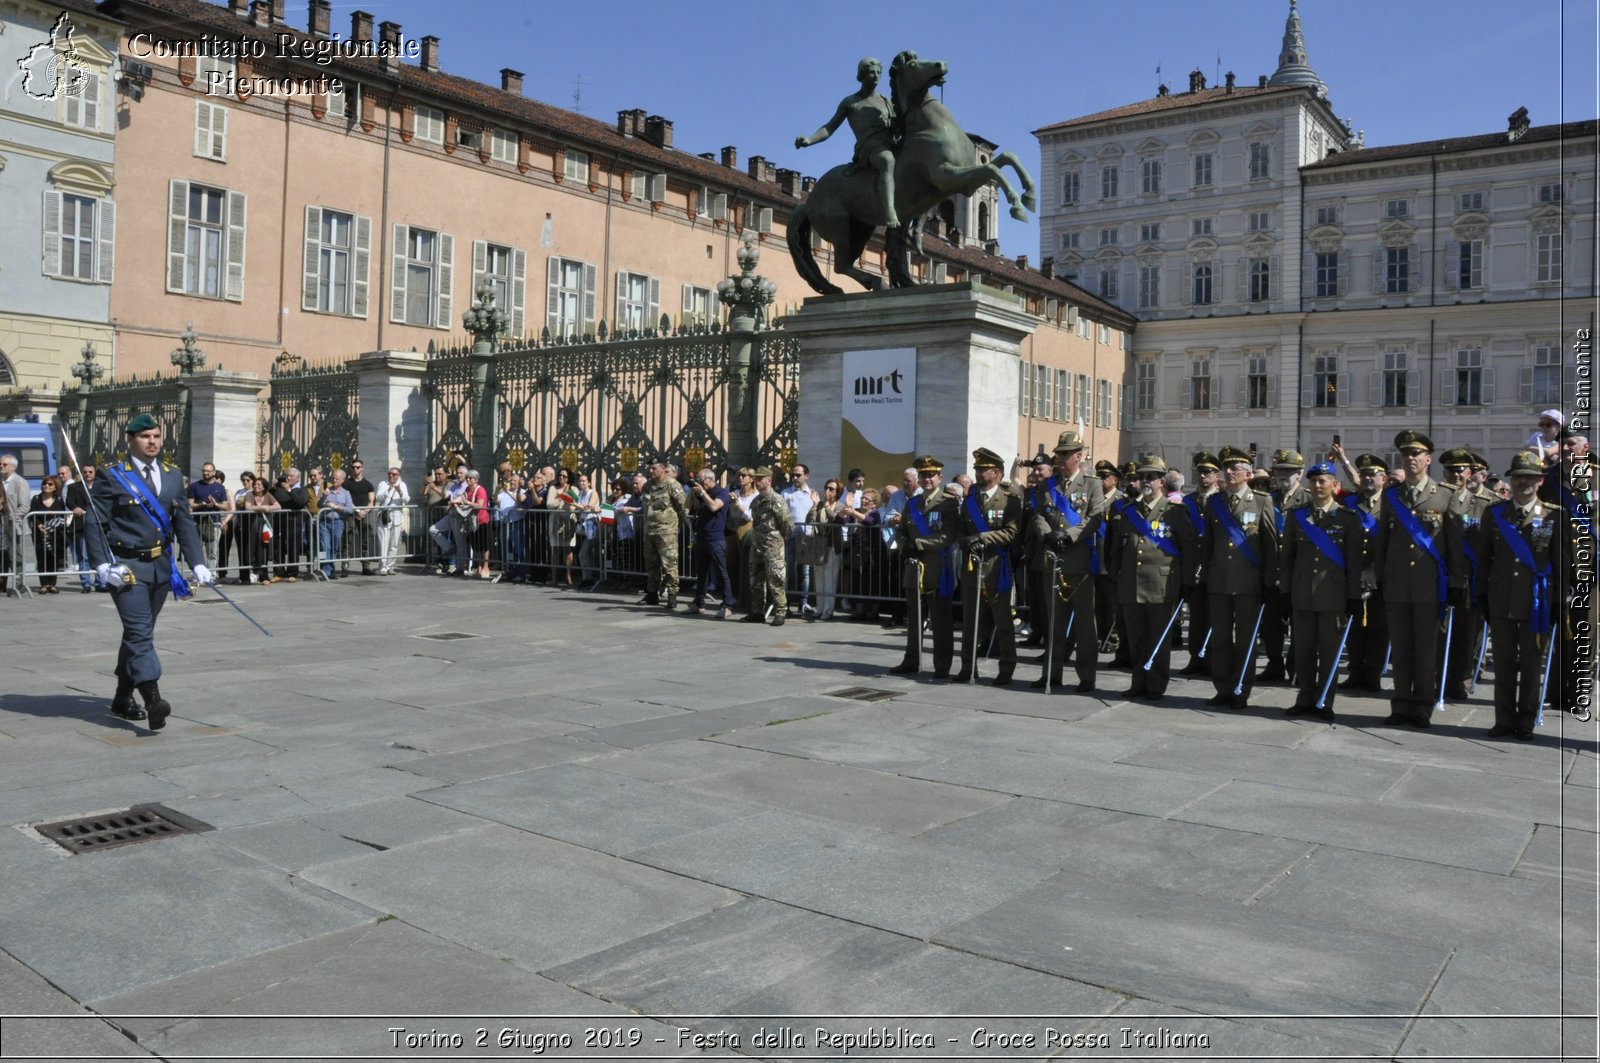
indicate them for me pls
(238, 608)
(120, 573)
(1164, 633)
(1544, 684)
(1444, 660)
(1052, 596)
(1483, 648)
(977, 608)
(917, 564)
(1249, 651)
(1204, 643)
(1322, 699)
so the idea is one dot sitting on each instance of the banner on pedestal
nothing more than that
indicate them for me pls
(878, 413)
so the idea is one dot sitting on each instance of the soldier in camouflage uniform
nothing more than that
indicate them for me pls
(771, 524)
(665, 511)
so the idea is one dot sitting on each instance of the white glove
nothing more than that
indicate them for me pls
(203, 576)
(104, 572)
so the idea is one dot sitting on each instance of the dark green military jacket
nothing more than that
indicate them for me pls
(1227, 569)
(1314, 580)
(1405, 571)
(1145, 573)
(1505, 582)
(1087, 497)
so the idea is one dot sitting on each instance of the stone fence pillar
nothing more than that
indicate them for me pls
(222, 421)
(392, 426)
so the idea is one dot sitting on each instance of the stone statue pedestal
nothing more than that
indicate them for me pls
(967, 340)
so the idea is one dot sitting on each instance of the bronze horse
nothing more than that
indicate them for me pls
(933, 161)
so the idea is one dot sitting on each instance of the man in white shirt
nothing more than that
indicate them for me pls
(800, 498)
(391, 499)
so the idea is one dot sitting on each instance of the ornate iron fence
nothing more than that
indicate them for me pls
(312, 415)
(95, 419)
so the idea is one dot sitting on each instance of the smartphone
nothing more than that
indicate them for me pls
(1336, 440)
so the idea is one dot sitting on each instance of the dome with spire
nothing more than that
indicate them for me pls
(1293, 67)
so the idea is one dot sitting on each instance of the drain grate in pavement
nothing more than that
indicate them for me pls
(142, 823)
(863, 694)
(447, 636)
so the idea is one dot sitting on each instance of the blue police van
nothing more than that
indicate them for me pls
(35, 448)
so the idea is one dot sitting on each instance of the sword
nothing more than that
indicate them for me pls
(1164, 633)
(1444, 659)
(918, 566)
(238, 608)
(121, 573)
(1322, 699)
(1052, 595)
(1483, 648)
(1544, 684)
(1204, 643)
(1250, 651)
(977, 608)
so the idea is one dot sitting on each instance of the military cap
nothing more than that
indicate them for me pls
(1411, 439)
(1069, 440)
(1129, 470)
(1526, 463)
(1150, 463)
(1041, 460)
(141, 423)
(1456, 458)
(1322, 468)
(1203, 460)
(984, 458)
(1287, 459)
(1106, 468)
(1371, 461)
(762, 471)
(1233, 456)
(1479, 461)
(928, 463)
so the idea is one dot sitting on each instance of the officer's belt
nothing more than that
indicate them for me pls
(129, 553)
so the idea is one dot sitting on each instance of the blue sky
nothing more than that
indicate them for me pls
(756, 75)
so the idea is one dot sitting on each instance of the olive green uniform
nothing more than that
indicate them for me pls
(1238, 587)
(1076, 551)
(665, 511)
(1506, 591)
(771, 524)
(1409, 578)
(925, 561)
(1321, 594)
(980, 575)
(1149, 582)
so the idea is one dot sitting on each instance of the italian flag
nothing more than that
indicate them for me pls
(608, 513)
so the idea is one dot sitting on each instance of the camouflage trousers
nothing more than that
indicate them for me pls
(661, 561)
(766, 577)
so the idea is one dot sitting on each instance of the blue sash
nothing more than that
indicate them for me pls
(1164, 543)
(157, 513)
(1319, 538)
(1539, 615)
(1220, 510)
(1191, 502)
(947, 568)
(1369, 523)
(981, 522)
(1074, 518)
(1408, 520)
(1576, 507)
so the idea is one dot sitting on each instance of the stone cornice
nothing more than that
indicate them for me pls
(1415, 165)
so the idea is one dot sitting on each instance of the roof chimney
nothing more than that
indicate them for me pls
(1047, 266)
(709, 156)
(1197, 80)
(430, 54)
(807, 184)
(1229, 83)
(991, 247)
(321, 21)
(361, 27)
(788, 181)
(1022, 261)
(730, 157)
(278, 11)
(261, 12)
(1517, 124)
(1162, 90)
(1261, 82)
(389, 45)
(763, 170)
(658, 131)
(511, 81)
(630, 123)
(240, 8)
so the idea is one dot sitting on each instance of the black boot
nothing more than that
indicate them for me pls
(155, 706)
(122, 706)
(650, 598)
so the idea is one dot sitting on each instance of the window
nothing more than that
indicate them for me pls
(337, 256)
(1150, 177)
(470, 139)
(1325, 381)
(1041, 391)
(1396, 270)
(1260, 280)
(207, 65)
(1469, 264)
(1069, 189)
(504, 271)
(1125, 401)
(1469, 201)
(78, 236)
(503, 146)
(702, 202)
(429, 125)
(1469, 389)
(1069, 241)
(1085, 399)
(80, 103)
(638, 186)
(570, 301)
(1327, 215)
(1260, 220)
(1552, 193)
(1327, 274)
(1200, 227)
(1149, 287)
(338, 99)
(424, 269)
(1260, 162)
(205, 241)
(638, 302)
(1200, 384)
(1109, 176)
(210, 130)
(1256, 384)
(1202, 170)
(1110, 286)
(1202, 283)
(699, 306)
(1543, 383)
(1063, 403)
(1103, 334)
(1396, 380)
(1150, 231)
(1103, 413)
(1548, 258)
(1144, 385)
(575, 167)
(1397, 208)
(1110, 237)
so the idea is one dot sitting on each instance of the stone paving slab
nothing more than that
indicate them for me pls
(517, 896)
(1460, 839)
(1544, 800)
(1461, 748)
(1208, 955)
(1480, 1013)
(1265, 764)
(683, 761)
(1568, 854)
(1124, 788)
(488, 761)
(1147, 1029)
(68, 800)
(393, 821)
(76, 1032)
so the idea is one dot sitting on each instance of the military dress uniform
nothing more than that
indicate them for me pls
(1107, 610)
(1415, 585)
(930, 575)
(1368, 647)
(665, 511)
(1075, 544)
(771, 524)
(986, 582)
(1469, 507)
(128, 536)
(1521, 600)
(1275, 631)
(1195, 595)
(1570, 487)
(1238, 576)
(1324, 591)
(1151, 552)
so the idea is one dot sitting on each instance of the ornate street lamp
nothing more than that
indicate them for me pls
(87, 371)
(486, 322)
(188, 358)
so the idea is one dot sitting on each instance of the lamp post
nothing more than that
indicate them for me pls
(88, 372)
(187, 358)
(487, 323)
(747, 297)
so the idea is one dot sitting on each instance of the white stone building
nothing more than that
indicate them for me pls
(1292, 284)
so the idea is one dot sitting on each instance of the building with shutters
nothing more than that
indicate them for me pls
(57, 179)
(1292, 283)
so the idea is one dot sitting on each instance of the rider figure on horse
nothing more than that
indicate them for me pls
(871, 119)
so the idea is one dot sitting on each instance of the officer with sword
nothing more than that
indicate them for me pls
(1321, 559)
(1153, 552)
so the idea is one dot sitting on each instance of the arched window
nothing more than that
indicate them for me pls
(947, 212)
(8, 378)
(983, 221)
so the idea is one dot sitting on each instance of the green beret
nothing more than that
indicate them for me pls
(141, 423)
